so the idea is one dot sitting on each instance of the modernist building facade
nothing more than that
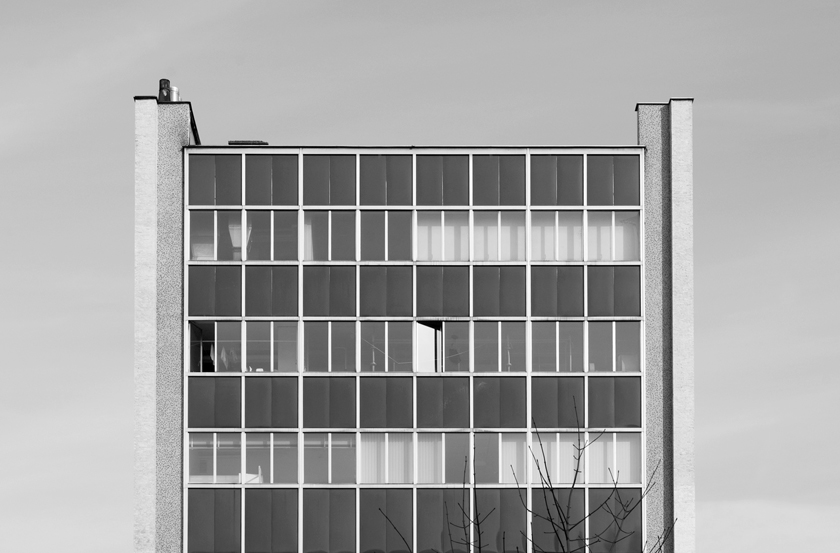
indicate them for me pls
(361, 349)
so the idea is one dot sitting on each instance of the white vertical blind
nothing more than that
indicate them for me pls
(513, 459)
(428, 236)
(568, 452)
(628, 453)
(513, 236)
(456, 234)
(627, 236)
(400, 458)
(544, 458)
(542, 235)
(600, 452)
(372, 469)
(429, 458)
(569, 236)
(600, 235)
(486, 233)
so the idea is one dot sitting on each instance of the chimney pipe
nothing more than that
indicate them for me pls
(167, 92)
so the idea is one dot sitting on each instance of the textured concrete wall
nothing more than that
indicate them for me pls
(654, 122)
(161, 133)
(682, 287)
(665, 130)
(145, 322)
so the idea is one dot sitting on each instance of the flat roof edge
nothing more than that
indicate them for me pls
(412, 147)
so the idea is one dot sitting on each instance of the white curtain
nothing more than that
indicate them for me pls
(600, 235)
(456, 235)
(627, 236)
(400, 457)
(542, 235)
(600, 451)
(428, 236)
(513, 456)
(308, 248)
(486, 236)
(429, 458)
(569, 236)
(372, 469)
(544, 449)
(628, 454)
(567, 464)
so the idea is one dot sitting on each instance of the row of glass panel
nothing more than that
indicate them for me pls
(446, 402)
(389, 458)
(388, 179)
(387, 236)
(400, 520)
(404, 346)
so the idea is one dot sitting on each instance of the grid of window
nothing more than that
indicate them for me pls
(482, 313)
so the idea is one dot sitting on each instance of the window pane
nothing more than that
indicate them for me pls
(429, 458)
(557, 402)
(513, 458)
(343, 458)
(202, 291)
(372, 291)
(285, 458)
(399, 346)
(601, 289)
(429, 246)
(571, 346)
(456, 236)
(228, 458)
(486, 239)
(543, 180)
(372, 403)
(329, 521)
(457, 457)
(600, 235)
(485, 180)
(627, 292)
(627, 236)
(271, 520)
(342, 291)
(609, 505)
(315, 241)
(456, 292)
(399, 236)
(201, 458)
(257, 459)
(429, 291)
(259, 346)
(228, 347)
(285, 236)
(505, 523)
(600, 347)
(512, 180)
(343, 232)
(316, 180)
(543, 236)
(270, 402)
(284, 179)
(429, 180)
(373, 347)
(285, 346)
(343, 180)
(486, 346)
(435, 508)
(271, 180)
(201, 235)
(202, 180)
(228, 179)
(258, 235)
(456, 344)
(571, 458)
(284, 291)
(214, 520)
(599, 178)
(316, 346)
(626, 180)
(378, 533)
(543, 347)
(258, 291)
(569, 180)
(548, 537)
(487, 458)
(486, 291)
(343, 347)
(372, 179)
(455, 180)
(600, 452)
(373, 235)
(399, 291)
(315, 458)
(429, 344)
(399, 177)
(513, 346)
(512, 236)
(443, 403)
(400, 458)
(627, 346)
(570, 292)
(512, 291)
(615, 403)
(544, 459)
(372, 469)
(570, 236)
(499, 402)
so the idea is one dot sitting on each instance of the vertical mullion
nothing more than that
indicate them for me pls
(612, 236)
(215, 455)
(613, 362)
(215, 235)
(329, 235)
(387, 474)
(271, 215)
(329, 346)
(329, 458)
(385, 255)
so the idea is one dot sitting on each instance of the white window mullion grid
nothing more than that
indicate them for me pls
(500, 348)
(385, 255)
(243, 235)
(329, 235)
(272, 214)
(215, 454)
(387, 475)
(329, 458)
(613, 350)
(612, 236)
(215, 235)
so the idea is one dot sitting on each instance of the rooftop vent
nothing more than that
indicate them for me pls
(167, 92)
(247, 143)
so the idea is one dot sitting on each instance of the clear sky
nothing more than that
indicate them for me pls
(767, 131)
